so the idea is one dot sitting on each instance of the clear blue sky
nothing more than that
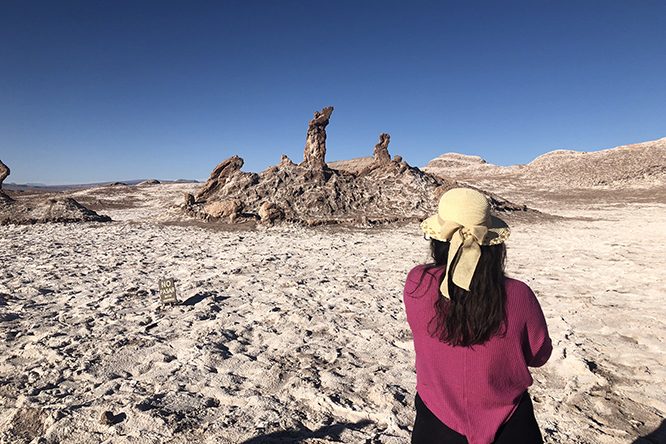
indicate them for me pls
(116, 90)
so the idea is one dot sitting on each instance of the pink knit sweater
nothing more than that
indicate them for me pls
(474, 390)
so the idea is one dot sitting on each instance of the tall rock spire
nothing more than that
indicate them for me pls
(381, 153)
(314, 154)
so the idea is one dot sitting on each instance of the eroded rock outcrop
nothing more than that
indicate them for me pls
(270, 212)
(40, 209)
(285, 161)
(311, 193)
(219, 176)
(381, 153)
(53, 209)
(5, 200)
(314, 155)
(223, 209)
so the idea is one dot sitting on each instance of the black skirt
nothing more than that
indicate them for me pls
(521, 428)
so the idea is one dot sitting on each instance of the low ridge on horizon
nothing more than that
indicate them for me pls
(640, 164)
(455, 154)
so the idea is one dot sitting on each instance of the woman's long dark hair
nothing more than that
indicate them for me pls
(471, 317)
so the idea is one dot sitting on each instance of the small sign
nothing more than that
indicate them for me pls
(168, 291)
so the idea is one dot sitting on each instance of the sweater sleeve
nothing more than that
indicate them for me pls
(539, 344)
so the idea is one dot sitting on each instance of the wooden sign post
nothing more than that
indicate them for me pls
(168, 291)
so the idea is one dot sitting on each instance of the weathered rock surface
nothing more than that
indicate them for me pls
(189, 199)
(223, 208)
(4, 172)
(269, 212)
(312, 193)
(314, 155)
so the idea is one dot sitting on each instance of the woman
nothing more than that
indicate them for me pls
(475, 331)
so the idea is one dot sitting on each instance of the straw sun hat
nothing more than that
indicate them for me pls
(463, 219)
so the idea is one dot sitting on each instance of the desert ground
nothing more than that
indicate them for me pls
(292, 334)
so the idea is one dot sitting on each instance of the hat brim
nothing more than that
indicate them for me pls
(498, 231)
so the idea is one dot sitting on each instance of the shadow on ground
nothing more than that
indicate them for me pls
(193, 300)
(298, 435)
(656, 437)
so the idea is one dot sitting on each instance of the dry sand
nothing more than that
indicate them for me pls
(299, 335)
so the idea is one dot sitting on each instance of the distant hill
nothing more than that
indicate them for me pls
(637, 165)
(352, 165)
(69, 187)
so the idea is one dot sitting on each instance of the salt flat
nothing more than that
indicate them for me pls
(289, 334)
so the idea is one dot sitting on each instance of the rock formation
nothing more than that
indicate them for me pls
(381, 153)
(219, 177)
(38, 209)
(312, 193)
(269, 212)
(5, 200)
(58, 209)
(223, 209)
(285, 161)
(4, 172)
(314, 155)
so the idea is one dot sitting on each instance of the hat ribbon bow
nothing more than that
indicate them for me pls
(468, 241)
